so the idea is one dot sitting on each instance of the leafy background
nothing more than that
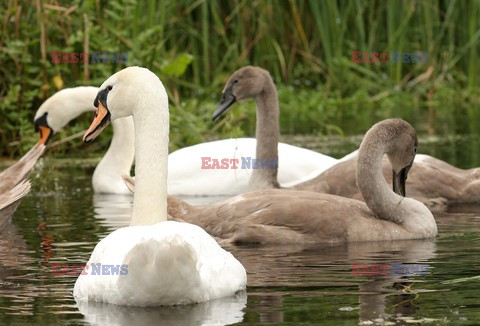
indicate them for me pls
(194, 45)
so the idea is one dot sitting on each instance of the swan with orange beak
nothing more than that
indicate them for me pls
(102, 116)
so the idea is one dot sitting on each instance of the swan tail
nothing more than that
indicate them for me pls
(163, 271)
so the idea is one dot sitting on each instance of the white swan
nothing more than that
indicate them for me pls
(185, 175)
(189, 179)
(59, 109)
(168, 262)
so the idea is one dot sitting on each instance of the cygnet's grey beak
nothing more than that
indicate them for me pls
(400, 179)
(227, 100)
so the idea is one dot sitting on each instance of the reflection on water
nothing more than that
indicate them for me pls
(112, 211)
(223, 311)
(325, 273)
(61, 221)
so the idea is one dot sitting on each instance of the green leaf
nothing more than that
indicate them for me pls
(177, 66)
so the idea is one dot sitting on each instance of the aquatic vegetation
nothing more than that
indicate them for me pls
(194, 46)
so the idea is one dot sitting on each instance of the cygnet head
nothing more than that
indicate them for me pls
(121, 94)
(400, 141)
(245, 83)
(401, 154)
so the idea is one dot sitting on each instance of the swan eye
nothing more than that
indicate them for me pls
(109, 87)
(235, 81)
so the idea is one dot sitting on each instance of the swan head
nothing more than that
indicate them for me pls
(401, 156)
(245, 83)
(121, 94)
(62, 107)
(43, 126)
(401, 147)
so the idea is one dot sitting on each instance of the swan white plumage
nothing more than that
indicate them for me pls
(59, 109)
(189, 179)
(185, 174)
(168, 262)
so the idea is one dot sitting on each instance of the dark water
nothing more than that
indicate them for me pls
(61, 221)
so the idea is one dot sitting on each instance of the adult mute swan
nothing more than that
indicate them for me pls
(13, 183)
(65, 105)
(168, 262)
(282, 216)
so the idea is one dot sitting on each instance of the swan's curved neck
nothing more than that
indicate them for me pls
(79, 100)
(372, 184)
(267, 134)
(119, 157)
(151, 154)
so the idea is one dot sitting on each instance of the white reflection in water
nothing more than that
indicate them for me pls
(224, 311)
(112, 211)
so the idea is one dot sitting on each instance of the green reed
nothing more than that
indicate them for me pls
(194, 45)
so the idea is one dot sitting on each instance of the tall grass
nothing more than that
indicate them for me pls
(194, 45)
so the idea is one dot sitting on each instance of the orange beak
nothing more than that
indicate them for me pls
(102, 119)
(44, 134)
